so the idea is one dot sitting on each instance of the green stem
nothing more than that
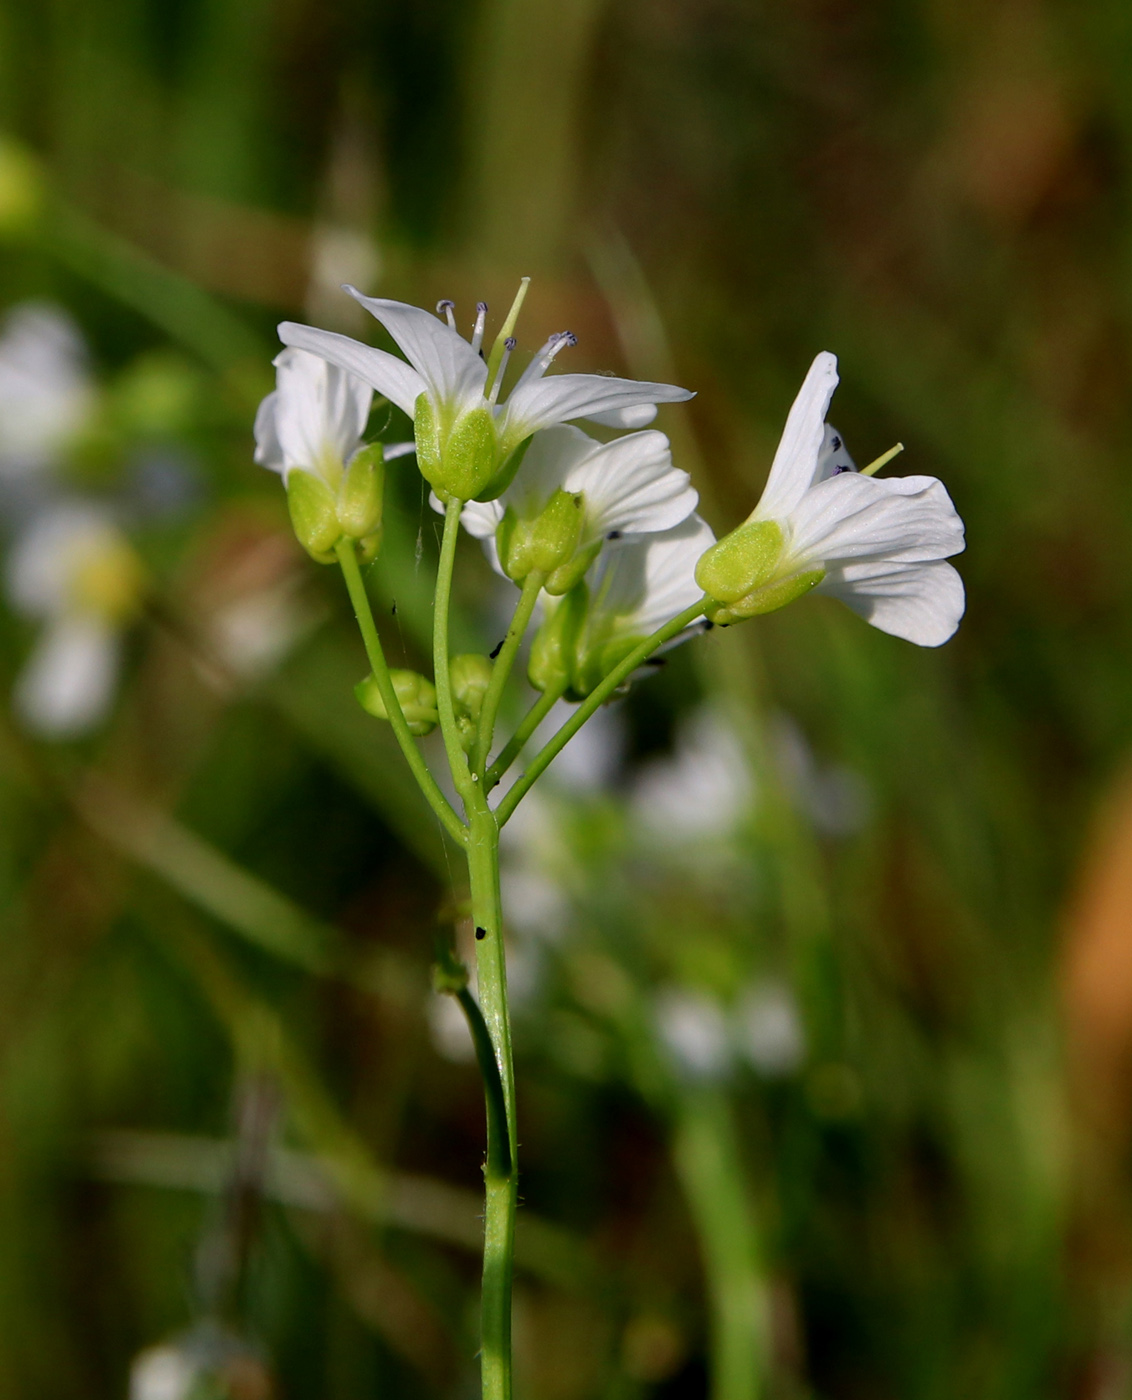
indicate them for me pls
(597, 697)
(514, 746)
(709, 1163)
(348, 559)
(498, 1139)
(501, 1196)
(442, 678)
(501, 671)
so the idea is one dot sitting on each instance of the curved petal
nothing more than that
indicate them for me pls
(399, 382)
(455, 374)
(795, 464)
(631, 486)
(540, 403)
(902, 518)
(320, 410)
(643, 582)
(553, 458)
(639, 416)
(921, 603)
(268, 448)
(479, 518)
(68, 683)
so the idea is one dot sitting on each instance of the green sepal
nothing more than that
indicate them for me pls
(596, 664)
(505, 474)
(554, 650)
(470, 453)
(416, 694)
(769, 598)
(740, 562)
(314, 514)
(360, 492)
(543, 544)
(430, 447)
(567, 575)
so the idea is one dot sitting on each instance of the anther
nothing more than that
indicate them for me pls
(539, 365)
(477, 330)
(447, 309)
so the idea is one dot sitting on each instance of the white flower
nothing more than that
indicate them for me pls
(694, 1031)
(768, 1029)
(877, 544)
(46, 395)
(74, 570)
(702, 791)
(625, 487)
(465, 435)
(314, 418)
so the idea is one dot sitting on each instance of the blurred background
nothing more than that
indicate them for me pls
(821, 945)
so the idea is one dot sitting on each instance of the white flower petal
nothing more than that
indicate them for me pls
(795, 463)
(393, 450)
(317, 414)
(922, 603)
(399, 382)
(639, 416)
(902, 518)
(833, 457)
(479, 518)
(268, 448)
(455, 374)
(46, 394)
(42, 564)
(67, 686)
(644, 581)
(541, 402)
(631, 486)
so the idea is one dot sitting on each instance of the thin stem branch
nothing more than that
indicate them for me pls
(442, 678)
(348, 559)
(501, 671)
(498, 1138)
(597, 697)
(527, 726)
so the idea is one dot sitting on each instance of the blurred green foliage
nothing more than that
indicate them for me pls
(232, 883)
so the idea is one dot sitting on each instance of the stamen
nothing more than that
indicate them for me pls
(541, 362)
(508, 346)
(507, 329)
(447, 308)
(477, 332)
(886, 457)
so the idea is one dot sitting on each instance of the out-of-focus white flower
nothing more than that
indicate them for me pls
(693, 1029)
(703, 790)
(768, 1029)
(570, 494)
(207, 1360)
(466, 436)
(834, 797)
(164, 1372)
(46, 393)
(314, 418)
(74, 570)
(877, 544)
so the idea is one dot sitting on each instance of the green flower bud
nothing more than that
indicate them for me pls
(470, 676)
(554, 650)
(314, 514)
(459, 460)
(543, 544)
(740, 562)
(768, 598)
(360, 493)
(416, 694)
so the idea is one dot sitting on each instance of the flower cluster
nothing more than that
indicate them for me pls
(605, 532)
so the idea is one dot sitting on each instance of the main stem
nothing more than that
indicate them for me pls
(500, 1185)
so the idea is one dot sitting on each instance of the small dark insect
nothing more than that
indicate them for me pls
(498, 649)
(481, 933)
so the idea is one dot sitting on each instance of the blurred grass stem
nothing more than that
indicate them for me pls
(501, 671)
(348, 559)
(597, 697)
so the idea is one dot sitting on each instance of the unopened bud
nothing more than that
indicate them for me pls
(314, 514)
(470, 676)
(415, 693)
